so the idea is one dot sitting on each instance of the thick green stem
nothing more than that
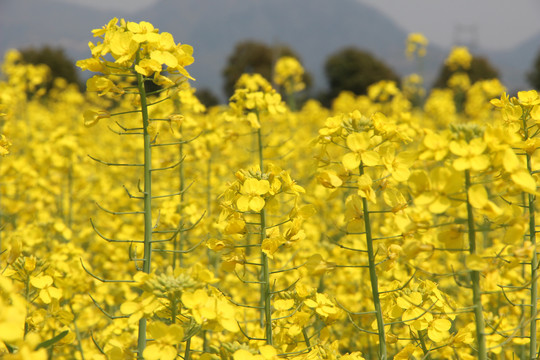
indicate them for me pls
(475, 277)
(187, 352)
(147, 202)
(373, 278)
(77, 334)
(265, 276)
(209, 185)
(179, 245)
(534, 270)
(534, 259)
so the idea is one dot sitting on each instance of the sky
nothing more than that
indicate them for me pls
(491, 24)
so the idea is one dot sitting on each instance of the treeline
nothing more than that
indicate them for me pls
(349, 69)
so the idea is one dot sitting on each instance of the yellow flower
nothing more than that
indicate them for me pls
(364, 188)
(323, 306)
(470, 155)
(332, 126)
(434, 190)
(416, 44)
(360, 144)
(136, 310)
(528, 98)
(399, 165)
(459, 58)
(459, 81)
(329, 179)
(123, 46)
(47, 292)
(273, 241)
(92, 117)
(289, 73)
(251, 195)
(478, 198)
(148, 67)
(438, 330)
(436, 146)
(103, 85)
(12, 312)
(4, 145)
(165, 338)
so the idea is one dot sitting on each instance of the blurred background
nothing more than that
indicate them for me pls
(224, 33)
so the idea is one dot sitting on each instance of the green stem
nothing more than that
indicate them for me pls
(423, 345)
(475, 277)
(188, 348)
(27, 302)
(180, 244)
(50, 351)
(147, 202)
(373, 278)
(534, 270)
(265, 276)
(77, 333)
(534, 260)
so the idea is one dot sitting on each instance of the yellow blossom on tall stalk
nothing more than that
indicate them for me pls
(416, 45)
(289, 74)
(135, 48)
(459, 58)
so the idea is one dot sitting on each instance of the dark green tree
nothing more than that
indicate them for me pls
(533, 76)
(481, 69)
(354, 70)
(207, 97)
(56, 59)
(252, 57)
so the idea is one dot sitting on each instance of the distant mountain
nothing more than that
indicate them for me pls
(314, 28)
(516, 62)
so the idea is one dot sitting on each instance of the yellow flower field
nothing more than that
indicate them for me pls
(143, 225)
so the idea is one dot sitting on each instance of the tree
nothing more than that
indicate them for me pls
(480, 69)
(251, 56)
(55, 58)
(207, 97)
(354, 70)
(533, 76)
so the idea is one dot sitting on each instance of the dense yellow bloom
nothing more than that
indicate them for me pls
(289, 74)
(528, 98)
(47, 291)
(12, 313)
(92, 117)
(459, 58)
(323, 306)
(4, 145)
(416, 45)
(360, 145)
(165, 339)
(436, 189)
(398, 165)
(471, 155)
(138, 44)
(251, 195)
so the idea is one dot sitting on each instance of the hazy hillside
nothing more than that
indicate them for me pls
(314, 28)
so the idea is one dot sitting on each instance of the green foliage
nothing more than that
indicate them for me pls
(533, 76)
(254, 57)
(56, 59)
(355, 70)
(207, 97)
